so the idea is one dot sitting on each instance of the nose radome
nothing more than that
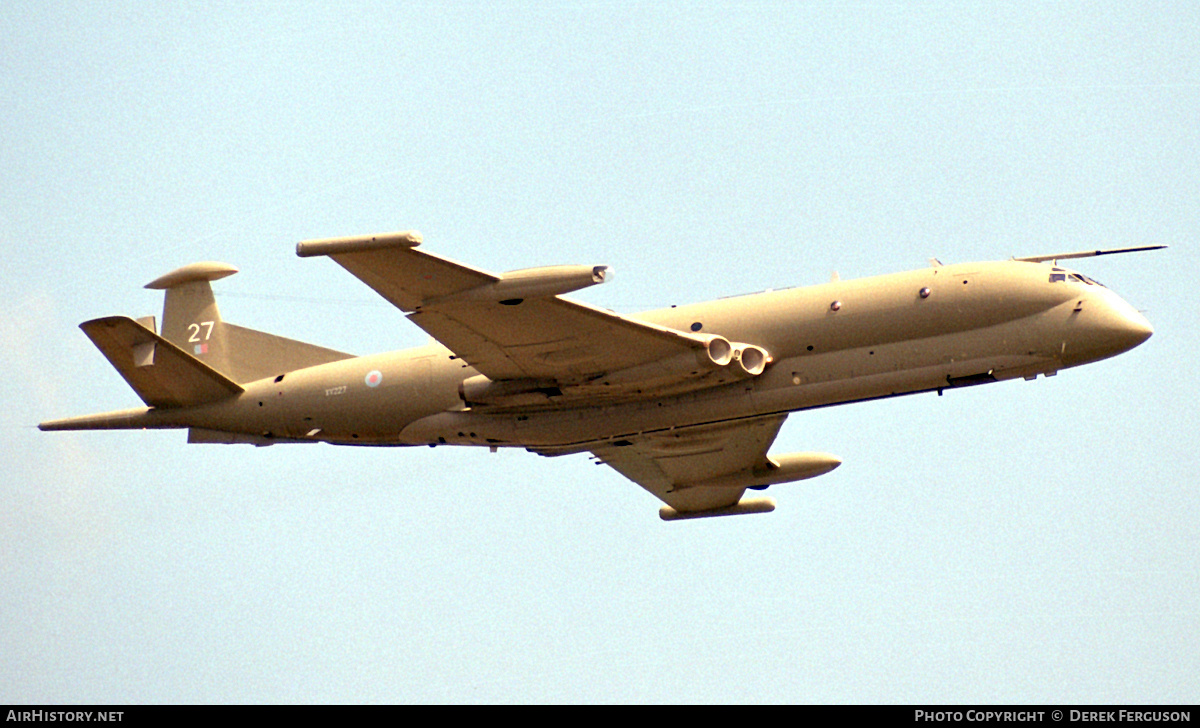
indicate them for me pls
(1124, 326)
(1139, 328)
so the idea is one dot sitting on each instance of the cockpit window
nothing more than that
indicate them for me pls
(1058, 275)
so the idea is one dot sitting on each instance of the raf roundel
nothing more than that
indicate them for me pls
(373, 378)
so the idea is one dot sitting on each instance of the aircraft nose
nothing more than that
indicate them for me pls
(1138, 328)
(1122, 327)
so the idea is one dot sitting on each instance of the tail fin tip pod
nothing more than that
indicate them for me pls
(204, 271)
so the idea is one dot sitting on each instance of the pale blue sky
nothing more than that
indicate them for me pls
(1021, 542)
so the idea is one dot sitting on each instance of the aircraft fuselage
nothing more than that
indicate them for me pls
(839, 342)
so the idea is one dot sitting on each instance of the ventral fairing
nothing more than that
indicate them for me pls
(683, 401)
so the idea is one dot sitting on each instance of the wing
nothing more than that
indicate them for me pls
(501, 324)
(697, 468)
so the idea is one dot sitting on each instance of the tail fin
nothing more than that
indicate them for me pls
(192, 322)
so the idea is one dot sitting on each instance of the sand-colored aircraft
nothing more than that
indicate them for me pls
(683, 401)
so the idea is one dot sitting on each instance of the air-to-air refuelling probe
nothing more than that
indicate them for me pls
(684, 401)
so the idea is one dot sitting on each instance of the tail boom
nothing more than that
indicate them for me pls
(128, 419)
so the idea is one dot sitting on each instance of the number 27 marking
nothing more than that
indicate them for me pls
(195, 329)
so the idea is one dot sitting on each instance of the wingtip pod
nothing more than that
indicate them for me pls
(513, 287)
(746, 505)
(358, 243)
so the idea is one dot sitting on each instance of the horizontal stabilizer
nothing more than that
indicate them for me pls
(162, 374)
